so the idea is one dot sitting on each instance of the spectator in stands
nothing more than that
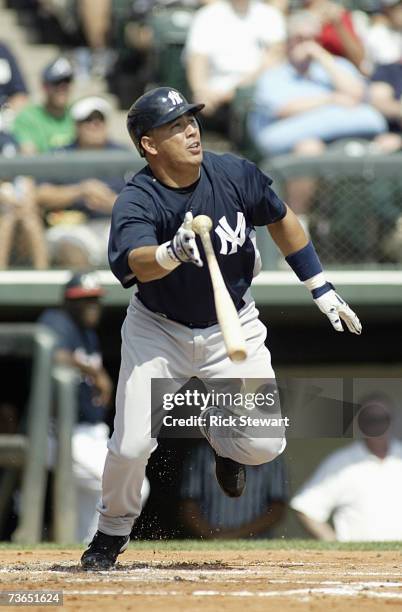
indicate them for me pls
(21, 228)
(138, 50)
(383, 39)
(207, 513)
(337, 34)
(8, 145)
(78, 346)
(95, 25)
(311, 98)
(281, 5)
(357, 485)
(386, 96)
(91, 126)
(82, 209)
(229, 43)
(13, 90)
(41, 127)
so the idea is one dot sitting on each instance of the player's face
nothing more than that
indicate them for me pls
(87, 311)
(178, 142)
(58, 94)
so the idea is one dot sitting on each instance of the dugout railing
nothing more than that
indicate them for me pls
(26, 450)
(64, 499)
(24, 454)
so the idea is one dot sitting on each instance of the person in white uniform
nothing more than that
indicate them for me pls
(358, 485)
(229, 43)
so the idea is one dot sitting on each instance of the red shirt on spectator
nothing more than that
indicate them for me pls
(329, 37)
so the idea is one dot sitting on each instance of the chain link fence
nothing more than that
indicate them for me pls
(352, 207)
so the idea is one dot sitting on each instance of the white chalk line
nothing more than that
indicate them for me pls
(151, 572)
(169, 574)
(340, 591)
(376, 589)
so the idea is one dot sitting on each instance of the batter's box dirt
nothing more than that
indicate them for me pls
(255, 580)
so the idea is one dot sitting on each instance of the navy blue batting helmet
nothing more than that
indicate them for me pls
(155, 108)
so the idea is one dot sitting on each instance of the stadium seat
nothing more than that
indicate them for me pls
(170, 27)
(238, 133)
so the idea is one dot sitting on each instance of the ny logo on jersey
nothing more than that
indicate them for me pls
(175, 97)
(228, 236)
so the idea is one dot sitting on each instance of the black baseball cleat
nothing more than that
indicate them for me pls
(230, 475)
(102, 552)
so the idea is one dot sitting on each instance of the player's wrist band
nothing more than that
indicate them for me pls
(165, 256)
(305, 263)
(307, 267)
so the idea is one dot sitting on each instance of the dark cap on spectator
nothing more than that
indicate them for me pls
(82, 109)
(389, 3)
(83, 285)
(59, 70)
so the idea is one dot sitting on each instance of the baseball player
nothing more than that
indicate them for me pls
(171, 330)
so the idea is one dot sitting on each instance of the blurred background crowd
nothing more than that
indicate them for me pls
(311, 90)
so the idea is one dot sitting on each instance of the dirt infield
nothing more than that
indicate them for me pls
(246, 580)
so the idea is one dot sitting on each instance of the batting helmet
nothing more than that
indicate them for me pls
(155, 108)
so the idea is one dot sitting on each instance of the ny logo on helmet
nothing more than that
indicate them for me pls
(175, 97)
(228, 236)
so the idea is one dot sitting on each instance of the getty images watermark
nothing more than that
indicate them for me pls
(295, 407)
(231, 406)
(202, 400)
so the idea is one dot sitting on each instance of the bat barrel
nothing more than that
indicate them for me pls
(226, 312)
(202, 224)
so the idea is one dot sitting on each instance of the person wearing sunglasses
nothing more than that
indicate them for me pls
(82, 243)
(38, 128)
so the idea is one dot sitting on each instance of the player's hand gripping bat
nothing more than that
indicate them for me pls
(226, 313)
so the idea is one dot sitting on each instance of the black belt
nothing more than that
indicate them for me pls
(190, 324)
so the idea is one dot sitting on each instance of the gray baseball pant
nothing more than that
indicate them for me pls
(156, 347)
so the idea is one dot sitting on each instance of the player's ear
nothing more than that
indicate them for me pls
(149, 145)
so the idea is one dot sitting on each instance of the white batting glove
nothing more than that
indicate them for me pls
(331, 304)
(183, 245)
(181, 249)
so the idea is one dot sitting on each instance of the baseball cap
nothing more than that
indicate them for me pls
(83, 285)
(58, 70)
(83, 108)
(389, 3)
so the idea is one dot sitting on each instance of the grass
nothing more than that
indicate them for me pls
(215, 545)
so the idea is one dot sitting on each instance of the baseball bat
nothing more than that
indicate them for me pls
(226, 312)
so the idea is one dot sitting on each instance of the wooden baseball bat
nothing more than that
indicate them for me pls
(226, 312)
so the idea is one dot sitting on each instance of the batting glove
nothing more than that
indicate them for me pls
(183, 245)
(331, 304)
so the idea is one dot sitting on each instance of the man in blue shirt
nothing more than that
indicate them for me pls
(78, 346)
(310, 96)
(171, 330)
